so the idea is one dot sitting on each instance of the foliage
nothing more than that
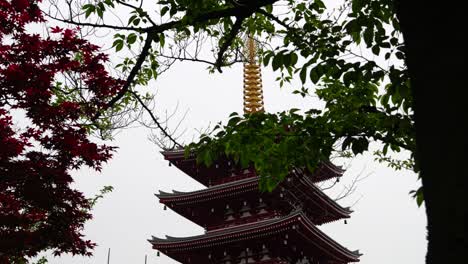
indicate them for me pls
(65, 92)
(357, 44)
(273, 143)
(356, 111)
(106, 189)
(22, 260)
(350, 56)
(39, 209)
(276, 143)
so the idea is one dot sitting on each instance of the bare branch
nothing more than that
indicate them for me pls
(351, 188)
(95, 25)
(155, 119)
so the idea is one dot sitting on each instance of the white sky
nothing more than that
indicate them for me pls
(386, 226)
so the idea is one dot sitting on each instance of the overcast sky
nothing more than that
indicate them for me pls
(386, 226)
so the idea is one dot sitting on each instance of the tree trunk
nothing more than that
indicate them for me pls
(436, 56)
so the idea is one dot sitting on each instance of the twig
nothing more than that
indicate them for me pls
(155, 120)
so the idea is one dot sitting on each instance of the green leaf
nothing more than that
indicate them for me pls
(314, 77)
(89, 9)
(277, 61)
(399, 55)
(287, 60)
(294, 59)
(131, 38)
(162, 40)
(100, 12)
(119, 45)
(360, 145)
(385, 149)
(346, 143)
(266, 58)
(368, 36)
(164, 10)
(376, 50)
(349, 77)
(419, 195)
(385, 45)
(130, 20)
(303, 74)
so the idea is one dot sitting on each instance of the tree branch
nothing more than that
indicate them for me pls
(95, 25)
(274, 18)
(229, 38)
(196, 60)
(239, 12)
(155, 120)
(134, 71)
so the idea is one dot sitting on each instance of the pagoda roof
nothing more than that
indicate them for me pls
(297, 221)
(178, 200)
(222, 167)
(210, 193)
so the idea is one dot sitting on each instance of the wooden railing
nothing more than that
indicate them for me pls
(241, 221)
(234, 178)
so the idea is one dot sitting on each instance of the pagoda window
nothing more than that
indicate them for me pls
(250, 256)
(245, 210)
(246, 257)
(265, 254)
(262, 206)
(242, 258)
(229, 214)
(226, 260)
(303, 261)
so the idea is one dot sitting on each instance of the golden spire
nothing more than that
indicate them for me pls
(253, 93)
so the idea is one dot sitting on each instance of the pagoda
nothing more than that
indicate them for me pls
(244, 225)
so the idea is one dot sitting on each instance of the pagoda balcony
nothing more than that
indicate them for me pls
(234, 178)
(272, 261)
(206, 207)
(243, 221)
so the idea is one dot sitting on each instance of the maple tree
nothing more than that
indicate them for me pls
(39, 209)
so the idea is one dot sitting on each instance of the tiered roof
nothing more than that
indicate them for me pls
(295, 224)
(244, 225)
(216, 174)
(185, 202)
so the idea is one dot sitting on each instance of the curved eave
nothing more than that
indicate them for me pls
(221, 190)
(325, 171)
(180, 154)
(174, 154)
(345, 212)
(334, 168)
(295, 221)
(176, 199)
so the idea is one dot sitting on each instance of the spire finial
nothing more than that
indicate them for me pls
(253, 92)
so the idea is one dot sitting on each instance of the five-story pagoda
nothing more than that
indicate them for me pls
(244, 225)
